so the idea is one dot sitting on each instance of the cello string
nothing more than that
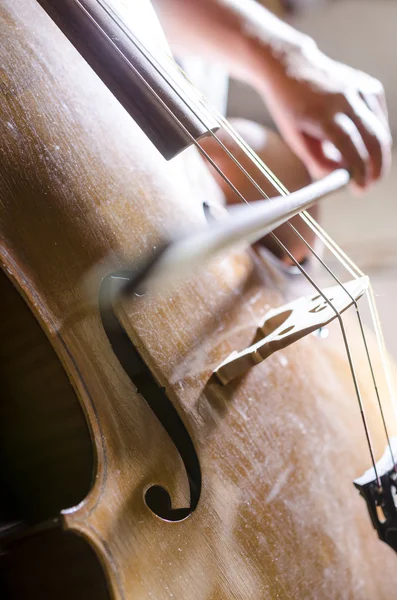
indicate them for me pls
(351, 366)
(272, 178)
(305, 216)
(226, 125)
(264, 169)
(279, 186)
(242, 198)
(369, 294)
(254, 158)
(346, 262)
(235, 190)
(349, 265)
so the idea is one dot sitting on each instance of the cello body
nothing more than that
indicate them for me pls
(278, 516)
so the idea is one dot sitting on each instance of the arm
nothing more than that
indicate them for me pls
(312, 98)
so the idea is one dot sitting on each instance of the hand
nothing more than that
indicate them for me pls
(321, 105)
(316, 102)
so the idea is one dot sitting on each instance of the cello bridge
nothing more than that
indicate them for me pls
(289, 323)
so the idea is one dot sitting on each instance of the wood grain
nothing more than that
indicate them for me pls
(81, 186)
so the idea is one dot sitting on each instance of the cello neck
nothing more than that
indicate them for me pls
(141, 83)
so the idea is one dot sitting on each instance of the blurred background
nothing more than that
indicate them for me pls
(362, 33)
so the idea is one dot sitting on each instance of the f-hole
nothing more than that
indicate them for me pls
(156, 497)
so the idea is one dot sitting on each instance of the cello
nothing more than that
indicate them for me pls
(140, 457)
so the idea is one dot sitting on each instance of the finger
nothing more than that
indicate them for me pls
(378, 107)
(328, 158)
(322, 155)
(296, 140)
(375, 134)
(370, 86)
(383, 104)
(343, 133)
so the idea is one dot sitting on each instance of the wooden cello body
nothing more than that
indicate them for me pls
(278, 516)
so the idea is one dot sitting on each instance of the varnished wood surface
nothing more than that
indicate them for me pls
(278, 515)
